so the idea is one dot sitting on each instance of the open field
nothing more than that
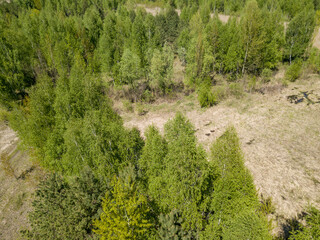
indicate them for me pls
(280, 140)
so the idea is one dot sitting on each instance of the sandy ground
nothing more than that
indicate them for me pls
(280, 140)
(18, 177)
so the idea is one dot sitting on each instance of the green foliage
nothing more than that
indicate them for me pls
(299, 33)
(127, 105)
(4, 114)
(170, 227)
(235, 199)
(247, 225)
(311, 229)
(314, 60)
(53, 58)
(161, 69)
(205, 96)
(266, 75)
(266, 206)
(16, 57)
(253, 37)
(65, 209)
(125, 213)
(152, 160)
(294, 70)
(129, 67)
(188, 178)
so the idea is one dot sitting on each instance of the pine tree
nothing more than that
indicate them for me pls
(125, 213)
(188, 177)
(139, 39)
(235, 200)
(152, 160)
(65, 209)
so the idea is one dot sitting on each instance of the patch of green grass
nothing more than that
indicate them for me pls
(4, 115)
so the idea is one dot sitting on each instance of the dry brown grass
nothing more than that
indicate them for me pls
(280, 140)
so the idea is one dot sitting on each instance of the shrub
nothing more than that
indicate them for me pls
(147, 96)
(266, 75)
(294, 71)
(252, 83)
(4, 115)
(205, 96)
(314, 60)
(266, 206)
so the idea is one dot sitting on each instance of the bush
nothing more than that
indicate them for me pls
(266, 75)
(205, 96)
(294, 71)
(314, 60)
(4, 115)
(252, 83)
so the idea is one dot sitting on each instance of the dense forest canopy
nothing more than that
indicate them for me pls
(58, 60)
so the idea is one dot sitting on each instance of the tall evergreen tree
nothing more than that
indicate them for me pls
(125, 213)
(253, 37)
(299, 32)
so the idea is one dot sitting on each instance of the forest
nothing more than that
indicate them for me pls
(59, 61)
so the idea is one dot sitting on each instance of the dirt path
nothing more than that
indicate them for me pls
(280, 140)
(18, 178)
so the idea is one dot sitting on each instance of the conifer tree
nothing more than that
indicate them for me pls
(65, 209)
(161, 69)
(234, 200)
(299, 32)
(188, 177)
(253, 37)
(125, 213)
(130, 67)
(152, 162)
